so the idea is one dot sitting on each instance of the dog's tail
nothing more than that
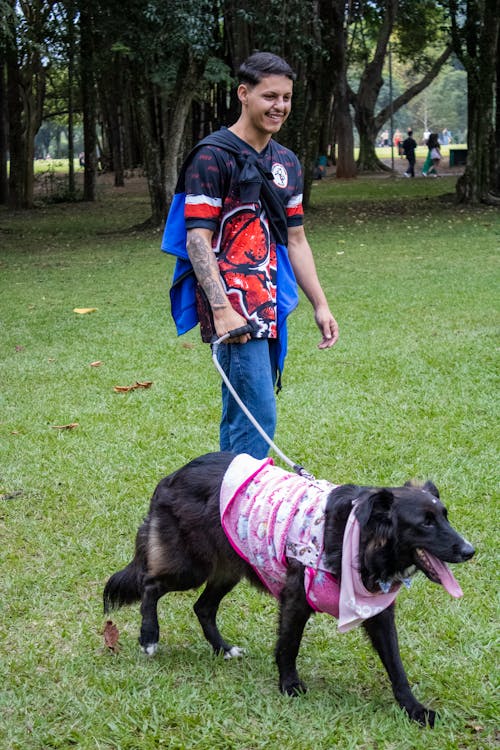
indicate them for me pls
(126, 586)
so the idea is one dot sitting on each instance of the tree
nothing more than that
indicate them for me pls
(87, 10)
(475, 33)
(4, 182)
(27, 60)
(343, 122)
(414, 24)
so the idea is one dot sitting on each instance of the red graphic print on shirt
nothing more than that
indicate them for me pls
(247, 263)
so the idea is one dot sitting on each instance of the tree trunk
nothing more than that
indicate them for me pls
(346, 166)
(16, 130)
(89, 98)
(495, 168)
(478, 52)
(26, 93)
(162, 125)
(71, 78)
(4, 179)
(366, 98)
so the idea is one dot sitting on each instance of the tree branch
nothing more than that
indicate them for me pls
(410, 93)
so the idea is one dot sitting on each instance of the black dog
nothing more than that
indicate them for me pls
(182, 544)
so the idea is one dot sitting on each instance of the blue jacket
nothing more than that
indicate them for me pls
(182, 291)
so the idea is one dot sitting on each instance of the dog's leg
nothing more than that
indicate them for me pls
(154, 589)
(382, 632)
(293, 616)
(206, 611)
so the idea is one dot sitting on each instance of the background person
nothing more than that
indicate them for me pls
(409, 146)
(434, 154)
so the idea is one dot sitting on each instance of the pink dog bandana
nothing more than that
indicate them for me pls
(269, 515)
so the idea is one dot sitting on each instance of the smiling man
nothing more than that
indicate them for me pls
(244, 220)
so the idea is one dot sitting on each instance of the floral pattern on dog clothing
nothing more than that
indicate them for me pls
(269, 515)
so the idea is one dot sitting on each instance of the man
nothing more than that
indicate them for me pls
(409, 146)
(232, 246)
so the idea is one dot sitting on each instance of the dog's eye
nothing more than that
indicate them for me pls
(429, 520)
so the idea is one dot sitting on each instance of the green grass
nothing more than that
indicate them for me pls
(409, 391)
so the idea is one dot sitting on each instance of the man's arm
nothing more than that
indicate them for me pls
(301, 258)
(204, 262)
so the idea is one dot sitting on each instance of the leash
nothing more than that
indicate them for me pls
(297, 468)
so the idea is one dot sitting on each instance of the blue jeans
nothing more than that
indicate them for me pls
(252, 371)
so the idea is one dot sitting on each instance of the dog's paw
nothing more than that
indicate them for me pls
(424, 716)
(235, 652)
(293, 689)
(149, 649)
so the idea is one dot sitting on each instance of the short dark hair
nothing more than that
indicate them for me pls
(410, 131)
(262, 64)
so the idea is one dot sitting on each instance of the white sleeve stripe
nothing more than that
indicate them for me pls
(196, 200)
(294, 201)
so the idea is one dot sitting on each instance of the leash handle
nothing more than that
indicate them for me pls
(248, 328)
(234, 333)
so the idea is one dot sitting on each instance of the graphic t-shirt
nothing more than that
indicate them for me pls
(242, 240)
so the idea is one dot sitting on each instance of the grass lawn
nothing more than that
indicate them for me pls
(408, 392)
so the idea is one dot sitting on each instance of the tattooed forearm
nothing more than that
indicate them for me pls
(206, 269)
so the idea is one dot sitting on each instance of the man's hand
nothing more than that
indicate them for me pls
(227, 319)
(301, 258)
(328, 327)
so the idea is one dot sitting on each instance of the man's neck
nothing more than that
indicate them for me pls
(256, 140)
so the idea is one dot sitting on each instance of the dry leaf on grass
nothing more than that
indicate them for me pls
(84, 310)
(111, 636)
(97, 363)
(70, 426)
(137, 384)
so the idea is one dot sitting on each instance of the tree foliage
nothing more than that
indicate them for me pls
(150, 78)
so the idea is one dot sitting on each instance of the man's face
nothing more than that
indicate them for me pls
(267, 105)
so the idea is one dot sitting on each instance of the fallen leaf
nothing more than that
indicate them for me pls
(98, 363)
(84, 310)
(111, 636)
(475, 727)
(11, 495)
(137, 384)
(19, 348)
(187, 345)
(70, 426)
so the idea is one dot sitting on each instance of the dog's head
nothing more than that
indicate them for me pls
(404, 529)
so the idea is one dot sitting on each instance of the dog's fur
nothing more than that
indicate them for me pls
(181, 544)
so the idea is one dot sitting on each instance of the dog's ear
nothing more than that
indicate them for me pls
(373, 501)
(431, 487)
(428, 487)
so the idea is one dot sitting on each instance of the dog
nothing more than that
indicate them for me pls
(185, 541)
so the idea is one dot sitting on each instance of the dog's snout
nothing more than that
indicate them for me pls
(467, 551)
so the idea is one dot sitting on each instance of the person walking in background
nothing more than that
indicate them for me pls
(245, 235)
(398, 138)
(434, 154)
(408, 146)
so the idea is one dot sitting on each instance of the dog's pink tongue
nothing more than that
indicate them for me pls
(446, 577)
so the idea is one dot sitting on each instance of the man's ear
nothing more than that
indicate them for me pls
(242, 93)
(377, 502)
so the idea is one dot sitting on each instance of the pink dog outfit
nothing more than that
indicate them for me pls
(269, 515)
